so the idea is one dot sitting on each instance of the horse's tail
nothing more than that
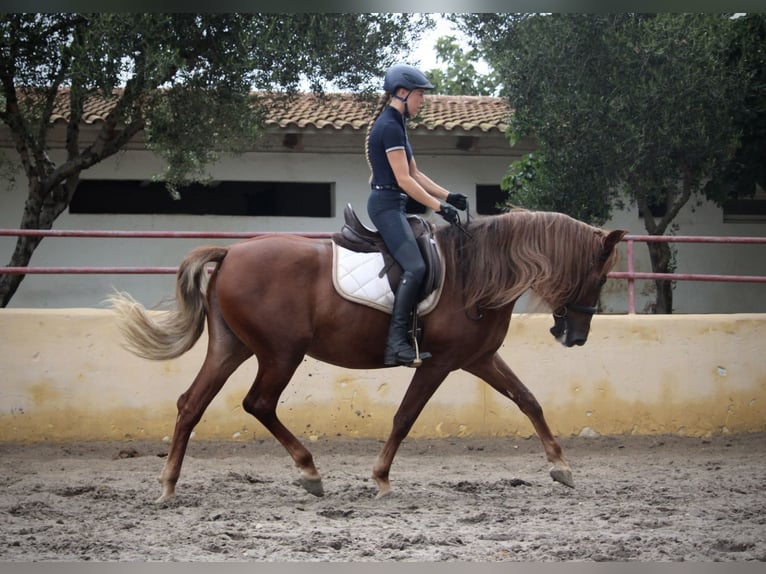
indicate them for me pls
(169, 334)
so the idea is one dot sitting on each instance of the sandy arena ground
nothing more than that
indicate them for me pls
(656, 498)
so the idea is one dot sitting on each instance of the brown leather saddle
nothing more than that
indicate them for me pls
(356, 236)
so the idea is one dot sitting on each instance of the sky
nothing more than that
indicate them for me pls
(425, 51)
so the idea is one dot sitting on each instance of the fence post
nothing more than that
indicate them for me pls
(631, 280)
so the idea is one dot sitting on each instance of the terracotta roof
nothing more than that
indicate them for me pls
(469, 113)
(346, 112)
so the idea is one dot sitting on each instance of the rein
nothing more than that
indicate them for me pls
(463, 231)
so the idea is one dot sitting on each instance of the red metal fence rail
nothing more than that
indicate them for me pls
(124, 270)
(630, 275)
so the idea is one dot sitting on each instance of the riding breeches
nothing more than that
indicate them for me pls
(386, 209)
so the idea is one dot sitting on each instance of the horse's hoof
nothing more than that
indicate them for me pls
(384, 494)
(312, 486)
(384, 486)
(563, 476)
(165, 498)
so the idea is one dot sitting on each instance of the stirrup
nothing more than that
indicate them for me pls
(392, 357)
(419, 357)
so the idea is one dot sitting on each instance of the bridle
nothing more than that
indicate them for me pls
(562, 311)
(560, 317)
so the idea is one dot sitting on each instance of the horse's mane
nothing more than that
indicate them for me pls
(505, 255)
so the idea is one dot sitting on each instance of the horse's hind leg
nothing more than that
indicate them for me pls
(224, 354)
(261, 401)
(501, 378)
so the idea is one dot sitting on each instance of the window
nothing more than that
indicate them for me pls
(264, 198)
(488, 198)
(746, 210)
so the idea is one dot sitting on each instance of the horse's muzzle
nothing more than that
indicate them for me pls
(576, 341)
(566, 332)
(559, 328)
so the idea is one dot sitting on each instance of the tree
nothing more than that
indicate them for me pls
(460, 78)
(747, 168)
(626, 109)
(157, 69)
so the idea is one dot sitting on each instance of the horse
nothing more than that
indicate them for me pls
(272, 296)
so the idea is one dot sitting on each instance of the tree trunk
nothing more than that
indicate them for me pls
(9, 282)
(661, 259)
(661, 254)
(42, 208)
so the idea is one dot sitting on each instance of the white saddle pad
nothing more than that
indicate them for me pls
(356, 277)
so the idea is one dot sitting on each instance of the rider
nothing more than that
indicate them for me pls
(395, 176)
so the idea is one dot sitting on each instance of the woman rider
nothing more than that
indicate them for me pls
(395, 176)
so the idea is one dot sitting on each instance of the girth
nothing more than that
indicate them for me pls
(356, 236)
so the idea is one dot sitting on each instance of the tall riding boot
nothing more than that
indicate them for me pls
(399, 350)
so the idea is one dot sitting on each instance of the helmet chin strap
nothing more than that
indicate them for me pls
(404, 100)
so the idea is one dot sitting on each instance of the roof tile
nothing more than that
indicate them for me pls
(340, 111)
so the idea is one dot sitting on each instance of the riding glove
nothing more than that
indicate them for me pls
(459, 200)
(449, 213)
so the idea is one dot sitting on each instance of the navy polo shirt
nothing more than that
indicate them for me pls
(388, 133)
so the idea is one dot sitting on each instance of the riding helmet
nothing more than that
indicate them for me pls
(407, 77)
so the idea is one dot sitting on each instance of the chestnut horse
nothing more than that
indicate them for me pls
(273, 297)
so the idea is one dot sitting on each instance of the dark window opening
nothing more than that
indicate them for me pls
(490, 199)
(744, 211)
(254, 198)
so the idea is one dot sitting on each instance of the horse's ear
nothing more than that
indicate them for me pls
(611, 241)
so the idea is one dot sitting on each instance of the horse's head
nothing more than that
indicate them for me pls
(571, 321)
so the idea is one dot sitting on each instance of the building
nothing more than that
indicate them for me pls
(299, 177)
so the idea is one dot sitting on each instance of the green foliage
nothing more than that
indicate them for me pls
(460, 78)
(626, 107)
(747, 168)
(533, 183)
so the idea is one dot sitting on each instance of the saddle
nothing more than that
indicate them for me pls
(356, 236)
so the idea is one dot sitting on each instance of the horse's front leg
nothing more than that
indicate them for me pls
(500, 377)
(421, 388)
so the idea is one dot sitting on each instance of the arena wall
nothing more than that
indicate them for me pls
(66, 377)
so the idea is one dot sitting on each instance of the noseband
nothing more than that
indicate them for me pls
(562, 311)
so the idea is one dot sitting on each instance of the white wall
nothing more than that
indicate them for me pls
(459, 173)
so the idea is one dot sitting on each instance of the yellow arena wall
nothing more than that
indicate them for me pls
(65, 377)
